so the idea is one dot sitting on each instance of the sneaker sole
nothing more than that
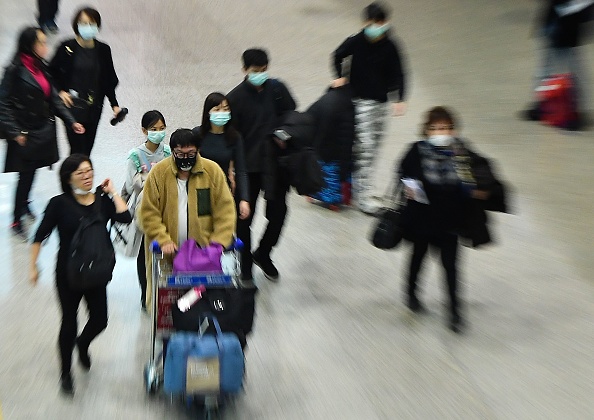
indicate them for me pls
(268, 276)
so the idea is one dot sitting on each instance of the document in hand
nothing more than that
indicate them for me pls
(416, 187)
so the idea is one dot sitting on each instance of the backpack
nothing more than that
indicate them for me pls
(92, 257)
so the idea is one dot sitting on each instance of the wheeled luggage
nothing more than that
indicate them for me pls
(558, 102)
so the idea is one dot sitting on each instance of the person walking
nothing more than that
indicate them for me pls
(29, 104)
(376, 75)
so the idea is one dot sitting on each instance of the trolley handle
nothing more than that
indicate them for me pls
(236, 245)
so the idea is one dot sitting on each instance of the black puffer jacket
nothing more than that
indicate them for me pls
(564, 30)
(334, 117)
(24, 109)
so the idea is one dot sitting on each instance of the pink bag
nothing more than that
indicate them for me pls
(191, 258)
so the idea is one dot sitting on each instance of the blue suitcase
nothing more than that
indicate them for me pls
(196, 354)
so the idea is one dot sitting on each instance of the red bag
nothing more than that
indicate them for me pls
(557, 100)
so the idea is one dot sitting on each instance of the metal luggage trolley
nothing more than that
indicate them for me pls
(166, 290)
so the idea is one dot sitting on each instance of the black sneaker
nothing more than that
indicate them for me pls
(415, 305)
(18, 230)
(66, 384)
(83, 357)
(456, 324)
(266, 265)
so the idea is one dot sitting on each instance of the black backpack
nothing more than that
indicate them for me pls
(305, 172)
(92, 257)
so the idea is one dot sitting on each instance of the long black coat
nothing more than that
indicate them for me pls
(24, 109)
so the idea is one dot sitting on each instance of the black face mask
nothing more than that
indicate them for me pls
(185, 164)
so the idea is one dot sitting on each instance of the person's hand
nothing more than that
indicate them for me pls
(232, 183)
(108, 187)
(339, 82)
(78, 128)
(66, 98)
(169, 248)
(21, 139)
(116, 111)
(280, 143)
(399, 108)
(33, 275)
(480, 194)
(244, 209)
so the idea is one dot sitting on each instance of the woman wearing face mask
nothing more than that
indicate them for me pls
(459, 186)
(28, 104)
(65, 212)
(84, 75)
(223, 144)
(140, 161)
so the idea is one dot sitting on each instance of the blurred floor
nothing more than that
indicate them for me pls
(333, 339)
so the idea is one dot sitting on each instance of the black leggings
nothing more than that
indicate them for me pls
(83, 143)
(48, 9)
(96, 300)
(21, 197)
(448, 246)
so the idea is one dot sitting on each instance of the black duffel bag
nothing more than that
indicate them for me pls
(387, 231)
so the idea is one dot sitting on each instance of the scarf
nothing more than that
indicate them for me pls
(32, 64)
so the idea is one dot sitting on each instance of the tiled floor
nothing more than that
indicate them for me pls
(332, 338)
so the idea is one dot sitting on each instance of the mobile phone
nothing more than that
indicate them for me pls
(282, 135)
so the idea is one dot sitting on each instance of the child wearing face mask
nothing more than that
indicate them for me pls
(140, 161)
(459, 187)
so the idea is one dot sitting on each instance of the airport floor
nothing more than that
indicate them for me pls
(333, 339)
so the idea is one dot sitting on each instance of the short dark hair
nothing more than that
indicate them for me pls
(212, 100)
(27, 39)
(69, 166)
(375, 12)
(438, 114)
(93, 14)
(184, 137)
(254, 57)
(151, 118)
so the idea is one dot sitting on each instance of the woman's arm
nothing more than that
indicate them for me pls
(33, 271)
(7, 123)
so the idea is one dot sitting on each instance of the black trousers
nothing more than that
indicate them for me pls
(141, 270)
(48, 9)
(447, 243)
(83, 143)
(21, 196)
(96, 300)
(276, 213)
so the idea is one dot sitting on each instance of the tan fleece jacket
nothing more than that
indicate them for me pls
(211, 207)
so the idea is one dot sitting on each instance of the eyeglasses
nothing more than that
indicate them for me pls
(440, 127)
(180, 155)
(82, 174)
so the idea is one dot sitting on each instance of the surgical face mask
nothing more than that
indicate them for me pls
(374, 30)
(185, 164)
(88, 31)
(155, 137)
(220, 118)
(80, 191)
(257, 79)
(440, 140)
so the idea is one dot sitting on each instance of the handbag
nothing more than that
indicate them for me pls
(191, 258)
(387, 231)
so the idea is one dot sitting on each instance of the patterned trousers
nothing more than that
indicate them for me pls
(370, 117)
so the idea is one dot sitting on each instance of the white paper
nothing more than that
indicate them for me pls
(416, 189)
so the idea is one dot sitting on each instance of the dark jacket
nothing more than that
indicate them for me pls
(255, 114)
(334, 117)
(376, 67)
(24, 108)
(563, 30)
(61, 68)
(450, 208)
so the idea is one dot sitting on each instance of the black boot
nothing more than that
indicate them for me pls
(66, 384)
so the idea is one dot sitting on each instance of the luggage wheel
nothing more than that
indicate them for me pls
(151, 378)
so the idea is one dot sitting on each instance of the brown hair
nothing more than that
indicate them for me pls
(437, 114)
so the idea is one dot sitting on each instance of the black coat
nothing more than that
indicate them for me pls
(24, 108)
(334, 116)
(61, 68)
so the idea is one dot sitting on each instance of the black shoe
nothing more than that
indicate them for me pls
(18, 230)
(246, 283)
(265, 264)
(415, 305)
(83, 357)
(456, 324)
(143, 303)
(532, 113)
(66, 384)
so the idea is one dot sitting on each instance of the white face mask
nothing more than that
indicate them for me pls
(80, 191)
(440, 140)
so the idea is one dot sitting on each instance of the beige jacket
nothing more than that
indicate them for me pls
(211, 207)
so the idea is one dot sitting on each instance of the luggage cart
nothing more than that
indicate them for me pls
(166, 290)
